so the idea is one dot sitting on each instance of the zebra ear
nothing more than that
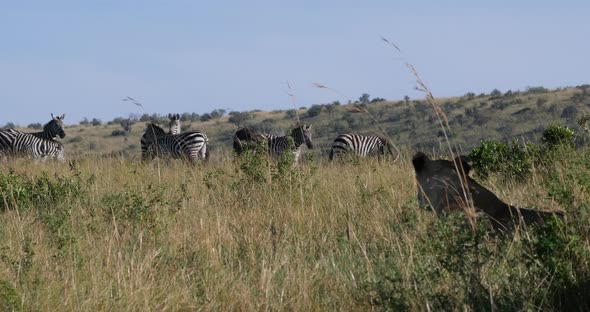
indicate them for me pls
(52, 117)
(62, 116)
(169, 116)
(307, 127)
(177, 116)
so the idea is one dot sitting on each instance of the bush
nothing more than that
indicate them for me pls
(556, 135)
(239, 118)
(205, 117)
(314, 110)
(496, 157)
(118, 133)
(290, 114)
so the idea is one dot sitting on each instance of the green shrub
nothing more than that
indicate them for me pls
(494, 157)
(556, 135)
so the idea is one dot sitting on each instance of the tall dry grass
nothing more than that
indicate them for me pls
(323, 237)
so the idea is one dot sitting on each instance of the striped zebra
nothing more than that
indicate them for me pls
(276, 144)
(279, 144)
(360, 145)
(190, 146)
(39, 145)
(173, 128)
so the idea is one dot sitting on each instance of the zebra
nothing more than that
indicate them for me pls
(300, 135)
(174, 125)
(360, 145)
(173, 128)
(39, 145)
(190, 146)
(276, 144)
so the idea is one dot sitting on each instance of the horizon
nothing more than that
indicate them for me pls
(83, 59)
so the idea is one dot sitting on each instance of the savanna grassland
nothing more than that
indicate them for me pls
(105, 232)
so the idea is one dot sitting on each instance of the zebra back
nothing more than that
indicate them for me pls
(360, 145)
(190, 146)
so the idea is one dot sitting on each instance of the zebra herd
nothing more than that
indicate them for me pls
(190, 145)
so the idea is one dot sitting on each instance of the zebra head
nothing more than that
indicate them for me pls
(174, 125)
(55, 127)
(302, 134)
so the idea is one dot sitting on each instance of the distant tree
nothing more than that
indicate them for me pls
(126, 124)
(291, 113)
(35, 126)
(314, 110)
(377, 99)
(496, 93)
(205, 117)
(407, 99)
(144, 118)
(195, 117)
(330, 108)
(9, 125)
(336, 103)
(118, 120)
(84, 122)
(185, 117)
(217, 113)
(239, 118)
(469, 96)
(96, 122)
(365, 98)
(536, 89)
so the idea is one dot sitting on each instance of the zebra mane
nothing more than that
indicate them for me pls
(153, 128)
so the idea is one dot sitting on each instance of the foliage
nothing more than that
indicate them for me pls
(290, 113)
(556, 135)
(240, 118)
(492, 157)
(314, 110)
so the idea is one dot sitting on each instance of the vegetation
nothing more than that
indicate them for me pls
(113, 234)
(106, 232)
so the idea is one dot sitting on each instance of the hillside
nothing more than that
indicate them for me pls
(409, 123)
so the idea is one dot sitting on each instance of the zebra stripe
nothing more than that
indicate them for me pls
(280, 144)
(39, 145)
(360, 145)
(190, 146)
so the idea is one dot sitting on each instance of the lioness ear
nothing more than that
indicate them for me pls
(419, 161)
(465, 162)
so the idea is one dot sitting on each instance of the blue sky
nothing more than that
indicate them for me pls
(82, 58)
